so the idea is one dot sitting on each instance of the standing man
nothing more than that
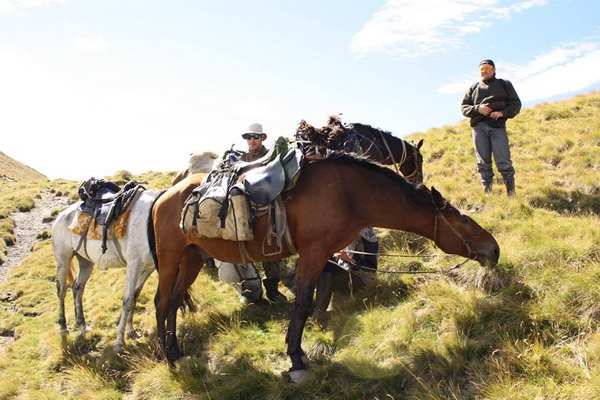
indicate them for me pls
(489, 103)
(255, 137)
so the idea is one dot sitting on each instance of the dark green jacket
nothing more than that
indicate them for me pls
(254, 155)
(501, 96)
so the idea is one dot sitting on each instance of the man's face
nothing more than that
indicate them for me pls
(254, 141)
(486, 71)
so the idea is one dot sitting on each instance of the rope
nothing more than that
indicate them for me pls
(401, 272)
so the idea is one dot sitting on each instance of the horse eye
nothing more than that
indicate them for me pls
(465, 220)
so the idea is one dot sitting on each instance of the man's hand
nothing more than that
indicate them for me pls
(496, 114)
(484, 108)
(342, 255)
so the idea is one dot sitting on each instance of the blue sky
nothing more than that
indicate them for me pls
(88, 88)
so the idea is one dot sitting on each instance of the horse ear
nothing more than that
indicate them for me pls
(438, 200)
(420, 144)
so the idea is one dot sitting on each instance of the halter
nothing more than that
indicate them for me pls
(471, 255)
(413, 155)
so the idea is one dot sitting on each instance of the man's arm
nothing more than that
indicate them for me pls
(514, 103)
(467, 106)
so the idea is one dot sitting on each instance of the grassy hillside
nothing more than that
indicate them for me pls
(13, 169)
(528, 328)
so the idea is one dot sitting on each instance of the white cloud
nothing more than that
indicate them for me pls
(415, 28)
(10, 6)
(91, 44)
(566, 69)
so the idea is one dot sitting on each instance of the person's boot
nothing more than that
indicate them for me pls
(487, 186)
(272, 291)
(324, 292)
(510, 186)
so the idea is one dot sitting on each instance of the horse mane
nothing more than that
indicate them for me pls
(370, 131)
(420, 195)
(333, 136)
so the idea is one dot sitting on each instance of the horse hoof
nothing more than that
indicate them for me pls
(298, 376)
(133, 335)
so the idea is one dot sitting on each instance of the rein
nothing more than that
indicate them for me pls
(383, 271)
(471, 255)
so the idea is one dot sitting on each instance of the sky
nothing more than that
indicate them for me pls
(92, 87)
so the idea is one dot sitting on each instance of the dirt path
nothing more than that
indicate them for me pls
(28, 225)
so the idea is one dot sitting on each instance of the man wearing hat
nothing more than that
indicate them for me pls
(489, 103)
(255, 137)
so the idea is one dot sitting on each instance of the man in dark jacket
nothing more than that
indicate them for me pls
(489, 103)
(255, 137)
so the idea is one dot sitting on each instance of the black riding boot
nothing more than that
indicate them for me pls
(510, 186)
(487, 186)
(324, 292)
(272, 291)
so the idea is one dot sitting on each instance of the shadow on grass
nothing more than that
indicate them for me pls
(568, 201)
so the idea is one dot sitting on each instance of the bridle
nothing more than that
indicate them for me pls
(471, 255)
(414, 156)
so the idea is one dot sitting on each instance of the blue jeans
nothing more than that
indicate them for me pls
(490, 141)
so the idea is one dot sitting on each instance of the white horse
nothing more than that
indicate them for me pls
(133, 252)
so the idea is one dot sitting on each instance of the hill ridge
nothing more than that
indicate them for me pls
(11, 169)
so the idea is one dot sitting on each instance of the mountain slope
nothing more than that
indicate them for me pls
(13, 169)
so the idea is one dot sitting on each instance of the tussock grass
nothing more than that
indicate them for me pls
(528, 328)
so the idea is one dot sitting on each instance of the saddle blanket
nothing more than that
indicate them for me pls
(83, 220)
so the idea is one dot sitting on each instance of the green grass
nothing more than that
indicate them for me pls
(525, 329)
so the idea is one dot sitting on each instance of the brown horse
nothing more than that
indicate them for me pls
(335, 196)
(375, 144)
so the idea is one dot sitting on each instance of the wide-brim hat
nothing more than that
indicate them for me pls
(256, 128)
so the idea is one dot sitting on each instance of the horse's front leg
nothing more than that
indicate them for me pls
(85, 271)
(62, 271)
(306, 281)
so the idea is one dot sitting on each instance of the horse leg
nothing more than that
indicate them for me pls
(63, 269)
(130, 331)
(191, 264)
(132, 278)
(167, 273)
(85, 270)
(309, 270)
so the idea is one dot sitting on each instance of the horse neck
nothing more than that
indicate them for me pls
(387, 205)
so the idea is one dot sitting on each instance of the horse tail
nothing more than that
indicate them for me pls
(189, 302)
(71, 273)
(150, 231)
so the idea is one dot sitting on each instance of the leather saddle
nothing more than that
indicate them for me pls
(105, 201)
(273, 174)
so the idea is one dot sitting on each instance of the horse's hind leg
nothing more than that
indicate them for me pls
(85, 270)
(191, 264)
(134, 282)
(130, 331)
(167, 272)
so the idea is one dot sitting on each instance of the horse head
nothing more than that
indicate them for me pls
(456, 233)
(412, 167)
